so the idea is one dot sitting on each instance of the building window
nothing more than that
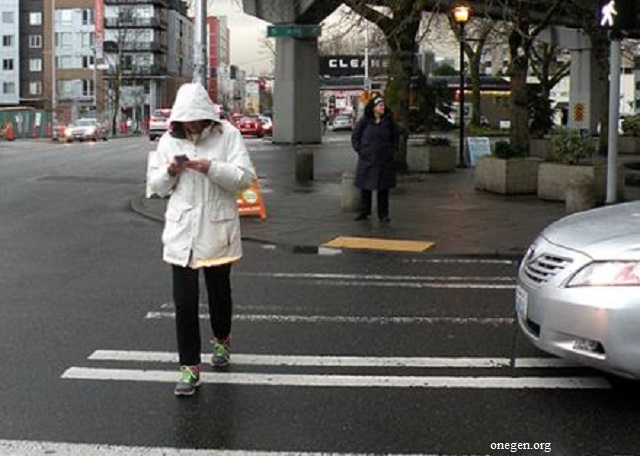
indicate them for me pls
(8, 87)
(7, 40)
(7, 17)
(35, 64)
(87, 17)
(35, 88)
(7, 64)
(64, 62)
(35, 41)
(64, 39)
(35, 18)
(87, 87)
(66, 17)
(87, 61)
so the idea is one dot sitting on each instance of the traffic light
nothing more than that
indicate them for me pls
(620, 15)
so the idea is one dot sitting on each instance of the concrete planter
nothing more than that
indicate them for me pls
(554, 177)
(431, 159)
(540, 148)
(629, 145)
(507, 176)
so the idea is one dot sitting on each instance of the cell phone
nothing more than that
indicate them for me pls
(181, 158)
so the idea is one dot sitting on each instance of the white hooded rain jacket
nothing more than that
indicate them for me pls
(202, 225)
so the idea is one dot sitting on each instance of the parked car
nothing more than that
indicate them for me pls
(578, 289)
(84, 129)
(267, 125)
(158, 123)
(250, 125)
(342, 122)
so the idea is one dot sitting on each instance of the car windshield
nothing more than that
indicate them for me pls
(84, 123)
(248, 119)
(343, 119)
(162, 113)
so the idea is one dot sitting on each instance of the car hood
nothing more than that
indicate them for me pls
(611, 232)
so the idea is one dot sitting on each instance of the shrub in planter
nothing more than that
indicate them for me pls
(629, 142)
(631, 126)
(434, 155)
(508, 170)
(504, 149)
(573, 157)
(570, 148)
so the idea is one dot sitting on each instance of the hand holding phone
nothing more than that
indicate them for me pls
(181, 159)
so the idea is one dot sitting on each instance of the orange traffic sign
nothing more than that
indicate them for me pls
(250, 202)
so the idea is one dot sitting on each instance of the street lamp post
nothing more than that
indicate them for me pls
(461, 16)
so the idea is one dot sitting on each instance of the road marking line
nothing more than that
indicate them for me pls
(403, 278)
(339, 361)
(439, 285)
(349, 319)
(343, 381)
(458, 261)
(38, 448)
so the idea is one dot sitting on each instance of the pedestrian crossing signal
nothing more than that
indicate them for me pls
(618, 15)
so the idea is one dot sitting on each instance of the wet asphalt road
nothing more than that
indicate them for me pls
(81, 275)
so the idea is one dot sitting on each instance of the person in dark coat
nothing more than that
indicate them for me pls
(375, 139)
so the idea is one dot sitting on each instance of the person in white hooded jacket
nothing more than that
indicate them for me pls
(202, 163)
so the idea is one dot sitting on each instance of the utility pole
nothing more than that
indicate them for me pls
(200, 43)
(54, 94)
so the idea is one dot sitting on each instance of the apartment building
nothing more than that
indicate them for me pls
(9, 53)
(218, 47)
(146, 63)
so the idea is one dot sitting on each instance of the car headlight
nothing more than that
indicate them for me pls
(67, 132)
(607, 273)
(91, 130)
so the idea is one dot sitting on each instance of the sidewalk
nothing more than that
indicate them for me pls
(442, 208)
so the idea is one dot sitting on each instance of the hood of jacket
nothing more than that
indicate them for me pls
(193, 103)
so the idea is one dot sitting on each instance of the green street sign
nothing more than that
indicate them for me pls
(293, 31)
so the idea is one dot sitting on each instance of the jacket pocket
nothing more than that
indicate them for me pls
(223, 210)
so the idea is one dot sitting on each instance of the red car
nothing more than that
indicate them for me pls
(250, 125)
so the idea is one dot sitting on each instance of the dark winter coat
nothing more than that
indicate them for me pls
(375, 144)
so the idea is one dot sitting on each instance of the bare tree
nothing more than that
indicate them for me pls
(522, 31)
(550, 68)
(119, 61)
(481, 30)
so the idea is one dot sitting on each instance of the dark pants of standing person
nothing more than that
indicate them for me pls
(382, 202)
(186, 296)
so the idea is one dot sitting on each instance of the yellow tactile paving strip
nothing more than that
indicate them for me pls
(348, 242)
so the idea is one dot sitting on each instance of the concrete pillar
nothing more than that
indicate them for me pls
(351, 197)
(296, 107)
(580, 194)
(304, 165)
(584, 108)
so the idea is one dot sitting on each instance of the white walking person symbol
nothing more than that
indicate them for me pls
(608, 11)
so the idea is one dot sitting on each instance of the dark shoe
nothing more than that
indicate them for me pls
(189, 381)
(221, 354)
(384, 219)
(361, 217)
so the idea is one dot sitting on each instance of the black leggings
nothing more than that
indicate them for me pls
(186, 297)
(382, 202)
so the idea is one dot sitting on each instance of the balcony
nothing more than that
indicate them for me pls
(164, 3)
(135, 72)
(135, 23)
(144, 46)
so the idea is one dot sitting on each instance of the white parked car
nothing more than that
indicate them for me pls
(85, 129)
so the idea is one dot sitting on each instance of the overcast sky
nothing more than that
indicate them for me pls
(246, 33)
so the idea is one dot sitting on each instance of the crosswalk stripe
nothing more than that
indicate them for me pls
(40, 448)
(340, 361)
(343, 381)
(494, 321)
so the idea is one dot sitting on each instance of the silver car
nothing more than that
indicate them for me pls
(578, 289)
(342, 122)
(85, 129)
